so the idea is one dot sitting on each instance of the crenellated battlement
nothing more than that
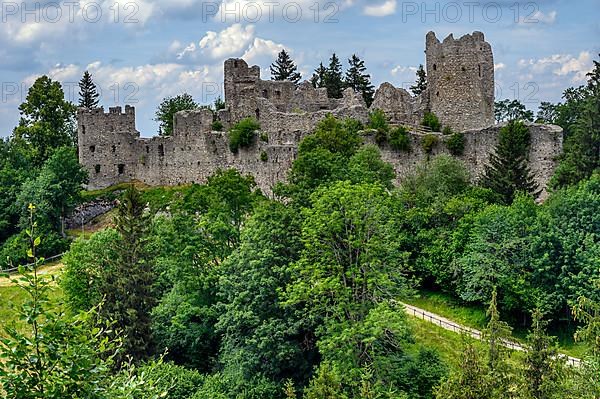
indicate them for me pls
(460, 74)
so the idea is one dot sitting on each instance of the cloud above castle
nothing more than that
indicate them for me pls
(158, 48)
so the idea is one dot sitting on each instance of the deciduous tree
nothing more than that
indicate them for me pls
(169, 107)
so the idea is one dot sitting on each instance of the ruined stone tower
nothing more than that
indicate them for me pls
(460, 79)
(106, 144)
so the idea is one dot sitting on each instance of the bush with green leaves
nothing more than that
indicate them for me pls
(435, 181)
(400, 139)
(177, 382)
(428, 142)
(241, 135)
(366, 166)
(431, 120)
(379, 122)
(14, 250)
(217, 126)
(456, 143)
(264, 157)
(224, 386)
(84, 264)
(353, 125)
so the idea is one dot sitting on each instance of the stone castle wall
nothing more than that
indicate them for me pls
(460, 92)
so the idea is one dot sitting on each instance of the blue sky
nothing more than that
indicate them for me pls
(140, 51)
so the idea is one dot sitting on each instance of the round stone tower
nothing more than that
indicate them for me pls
(460, 76)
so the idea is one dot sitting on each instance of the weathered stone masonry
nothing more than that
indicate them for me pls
(460, 92)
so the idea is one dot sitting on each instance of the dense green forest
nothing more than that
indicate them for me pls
(217, 291)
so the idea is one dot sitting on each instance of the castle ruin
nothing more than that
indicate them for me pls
(460, 92)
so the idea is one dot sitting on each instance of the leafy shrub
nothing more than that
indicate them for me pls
(13, 251)
(436, 180)
(242, 134)
(177, 381)
(447, 130)
(431, 120)
(224, 386)
(264, 137)
(353, 125)
(217, 126)
(83, 267)
(366, 166)
(428, 142)
(399, 139)
(263, 156)
(379, 122)
(456, 143)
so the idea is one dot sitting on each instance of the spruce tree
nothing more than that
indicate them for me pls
(543, 365)
(496, 334)
(127, 282)
(508, 170)
(421, 84)
(470, 380)
(319, 76)
(359, 80)
(333, 78)
(284, 68)
(88, 93)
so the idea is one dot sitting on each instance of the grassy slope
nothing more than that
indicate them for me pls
(11, 296)
(474, 316)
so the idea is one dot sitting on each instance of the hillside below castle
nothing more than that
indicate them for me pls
(460, 91)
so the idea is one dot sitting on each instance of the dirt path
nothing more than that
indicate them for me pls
(450, 325)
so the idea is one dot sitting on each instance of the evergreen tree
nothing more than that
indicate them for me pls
(88, 93)
(587, 312)
(470, 380)
(357, 79)
(421, 84)
(219, 104)
(333, 78)
(508, 171)
(319, 76)
(496, 335)
(127, 282)
(284, 68)
(543, 366)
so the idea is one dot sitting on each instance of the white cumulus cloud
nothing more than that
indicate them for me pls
(381, 10)
(227, 42)
(564, 65)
